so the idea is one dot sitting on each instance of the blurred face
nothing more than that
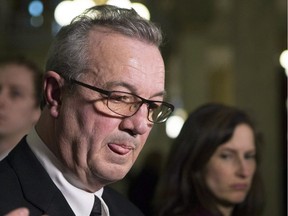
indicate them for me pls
(95, 143)
(18, 110)
(230, 170)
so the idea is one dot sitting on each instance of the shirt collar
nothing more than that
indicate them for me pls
(80, 201)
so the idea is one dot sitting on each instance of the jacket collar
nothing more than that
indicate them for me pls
(36, 184)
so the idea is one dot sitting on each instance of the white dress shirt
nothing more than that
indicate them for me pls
(80, 201)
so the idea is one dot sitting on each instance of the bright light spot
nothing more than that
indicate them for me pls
(36, 21)
(284, 59)
(67, 10)
(120, 3)
(63, 13)
(100, 2)
(175, 122)
(174, 125)
(142, 10)
(35, 8)
(138, 7)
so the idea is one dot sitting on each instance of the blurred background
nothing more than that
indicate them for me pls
(215, 51)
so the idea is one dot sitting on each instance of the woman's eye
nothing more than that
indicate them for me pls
(225, 156)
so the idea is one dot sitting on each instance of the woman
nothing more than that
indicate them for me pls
(212, 169)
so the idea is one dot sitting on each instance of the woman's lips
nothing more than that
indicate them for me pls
(239, 186)
(119, 149)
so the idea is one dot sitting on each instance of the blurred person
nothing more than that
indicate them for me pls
(20, 96)
(213, 166)
(104, 91)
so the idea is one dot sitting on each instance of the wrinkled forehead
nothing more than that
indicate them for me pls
(114, 57)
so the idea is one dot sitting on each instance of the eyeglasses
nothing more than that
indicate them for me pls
(127, 104)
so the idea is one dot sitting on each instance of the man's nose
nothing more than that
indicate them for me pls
(137, 123)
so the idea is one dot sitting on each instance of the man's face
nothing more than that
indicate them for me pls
(95, 143)
(18, 110)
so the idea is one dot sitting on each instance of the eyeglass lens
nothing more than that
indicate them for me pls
(127, 105)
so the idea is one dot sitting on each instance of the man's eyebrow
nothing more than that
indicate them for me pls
(131, 88)
(112, 84)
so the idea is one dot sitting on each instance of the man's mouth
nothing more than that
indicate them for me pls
(120, 149)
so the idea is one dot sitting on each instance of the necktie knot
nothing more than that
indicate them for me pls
(96, 210)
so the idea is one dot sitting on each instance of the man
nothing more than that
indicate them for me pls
(20, 96)
(103, 88)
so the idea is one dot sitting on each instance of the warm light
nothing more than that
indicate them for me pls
(142, 10)
(67, 10)
(284, 60)
(138, 7)
(120, 3)
(175, 122)
(100, 2)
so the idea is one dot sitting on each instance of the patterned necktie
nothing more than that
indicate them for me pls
(96, 210)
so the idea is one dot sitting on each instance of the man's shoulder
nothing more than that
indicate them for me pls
(11, 195)
(7, 164)
(10, 166)
(119, 204)
(6, 171)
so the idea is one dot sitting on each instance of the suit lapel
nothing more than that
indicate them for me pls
(38, 188)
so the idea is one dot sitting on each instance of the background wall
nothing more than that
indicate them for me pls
(224, 51)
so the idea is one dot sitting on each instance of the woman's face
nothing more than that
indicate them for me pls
(230, 170)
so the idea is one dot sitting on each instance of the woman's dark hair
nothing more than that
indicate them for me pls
(182, 189)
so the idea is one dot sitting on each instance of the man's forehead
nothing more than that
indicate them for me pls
(102, 32)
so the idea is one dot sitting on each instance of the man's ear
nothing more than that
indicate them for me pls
(53, 84)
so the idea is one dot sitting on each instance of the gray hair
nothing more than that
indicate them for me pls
(68, 55)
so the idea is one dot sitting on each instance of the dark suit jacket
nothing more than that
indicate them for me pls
(24, 182)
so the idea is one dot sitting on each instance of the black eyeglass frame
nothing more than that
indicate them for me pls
(143, 100)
